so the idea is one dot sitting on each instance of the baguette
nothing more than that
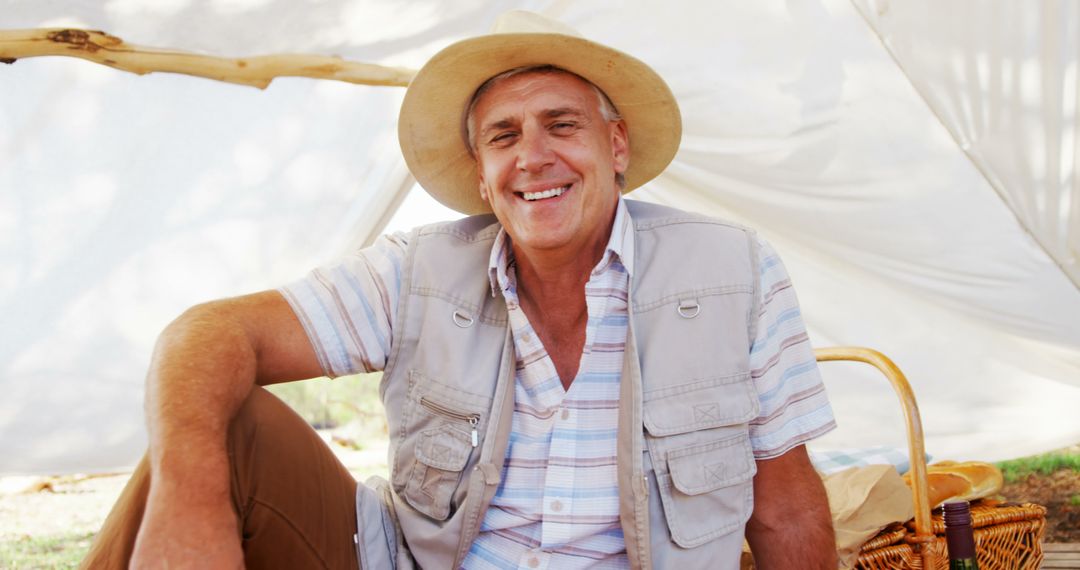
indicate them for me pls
(966, 481)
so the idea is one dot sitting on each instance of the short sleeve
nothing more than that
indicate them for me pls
(347, 308)
(794, 406)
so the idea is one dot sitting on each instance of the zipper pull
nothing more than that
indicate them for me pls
(473, 421)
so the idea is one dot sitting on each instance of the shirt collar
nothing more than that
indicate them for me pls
(620, 246)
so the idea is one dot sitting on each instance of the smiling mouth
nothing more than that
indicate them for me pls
(542, 195)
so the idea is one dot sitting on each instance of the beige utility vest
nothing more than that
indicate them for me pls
(684, 458)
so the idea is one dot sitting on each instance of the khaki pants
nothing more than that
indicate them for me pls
(294, 500)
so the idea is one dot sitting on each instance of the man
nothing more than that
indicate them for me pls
(578, 381)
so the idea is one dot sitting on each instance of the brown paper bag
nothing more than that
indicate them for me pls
(864, 500)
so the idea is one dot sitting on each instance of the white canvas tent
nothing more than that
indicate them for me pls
(914, 162)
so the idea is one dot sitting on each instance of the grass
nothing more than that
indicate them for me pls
(1045, 464)
(40, 552)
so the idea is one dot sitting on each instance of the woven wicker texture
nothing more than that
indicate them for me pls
(890, 535)
(1008, 536)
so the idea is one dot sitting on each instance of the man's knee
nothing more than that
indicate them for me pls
(267, 437)
(295, 500)
(263, 415)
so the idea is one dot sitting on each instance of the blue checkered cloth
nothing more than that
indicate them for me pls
(831, 461)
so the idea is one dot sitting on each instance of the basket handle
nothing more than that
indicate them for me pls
(916, 450)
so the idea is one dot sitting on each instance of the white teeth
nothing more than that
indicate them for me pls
(545, 194)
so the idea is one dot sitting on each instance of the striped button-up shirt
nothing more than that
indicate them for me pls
(557, 506)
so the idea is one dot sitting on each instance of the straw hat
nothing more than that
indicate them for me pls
(432, 121)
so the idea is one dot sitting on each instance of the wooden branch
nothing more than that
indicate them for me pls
(258, 71)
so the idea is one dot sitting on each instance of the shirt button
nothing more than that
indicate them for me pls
(565, 414)
(556, 505)
(534, 562)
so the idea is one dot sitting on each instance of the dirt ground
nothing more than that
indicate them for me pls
(1059, 492)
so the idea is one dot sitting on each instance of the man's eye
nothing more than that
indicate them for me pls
(563, 126)
(503, 138)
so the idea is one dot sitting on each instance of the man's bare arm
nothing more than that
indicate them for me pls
(791, 526)
(204, 365)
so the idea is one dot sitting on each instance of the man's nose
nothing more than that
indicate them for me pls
(534, 151)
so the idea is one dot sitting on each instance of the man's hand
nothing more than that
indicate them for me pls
(791, 526)
(204, 366)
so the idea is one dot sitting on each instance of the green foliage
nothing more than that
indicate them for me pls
(1045, 464)
(349, 403)
(55, 551)
(1074, 501)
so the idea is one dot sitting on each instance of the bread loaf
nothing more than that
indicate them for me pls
(969, 480)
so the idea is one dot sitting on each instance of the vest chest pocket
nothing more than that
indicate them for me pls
(708, 490)
(699, 445)
(440, 432)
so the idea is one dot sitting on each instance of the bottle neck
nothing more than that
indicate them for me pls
(959, 535)
(961, 541)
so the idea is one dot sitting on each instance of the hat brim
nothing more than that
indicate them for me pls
(431, 121)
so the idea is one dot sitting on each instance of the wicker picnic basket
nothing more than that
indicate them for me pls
(1007, 535)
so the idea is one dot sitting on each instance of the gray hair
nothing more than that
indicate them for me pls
(607, 109)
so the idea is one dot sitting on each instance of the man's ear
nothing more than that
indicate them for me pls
(483, 187)
(620, 146)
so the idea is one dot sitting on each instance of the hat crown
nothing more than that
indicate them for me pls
(522, 22)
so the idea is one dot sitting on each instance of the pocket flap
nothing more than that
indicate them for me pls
(702, 404)
(709, 466)
(444, 447)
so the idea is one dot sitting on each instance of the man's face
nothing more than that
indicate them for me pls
(547, 160)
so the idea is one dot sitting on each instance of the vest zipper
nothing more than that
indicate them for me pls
(472, 419)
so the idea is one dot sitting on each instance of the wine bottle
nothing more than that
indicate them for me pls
(959, 535)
